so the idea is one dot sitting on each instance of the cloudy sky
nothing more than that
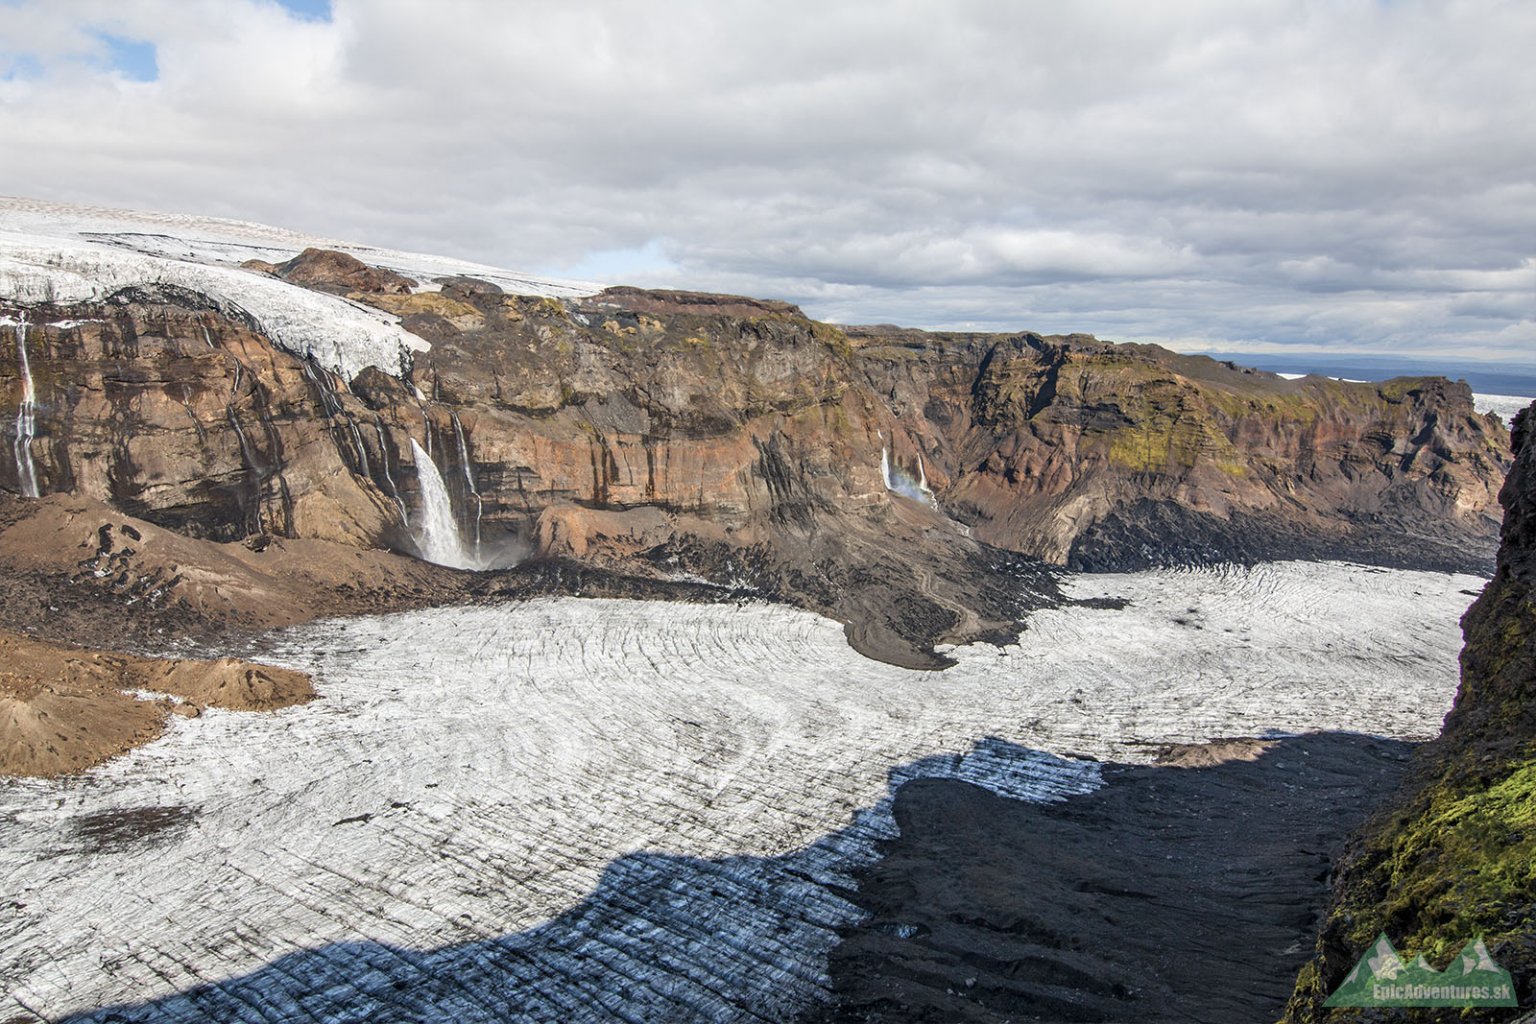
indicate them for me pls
(1261, 177)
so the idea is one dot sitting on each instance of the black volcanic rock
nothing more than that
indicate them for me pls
(1451, 858)
(1172, 894)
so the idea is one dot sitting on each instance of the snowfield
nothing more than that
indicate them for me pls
(1503, 406)
(57, 252)
(577, 809)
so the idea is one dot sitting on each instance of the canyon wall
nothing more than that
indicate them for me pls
(1454, 857)
(735, 440)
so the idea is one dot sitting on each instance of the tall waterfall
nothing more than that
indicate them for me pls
(469, 477)
(438, 537)
(26, 418)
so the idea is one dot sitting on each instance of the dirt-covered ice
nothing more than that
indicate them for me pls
(489, 793)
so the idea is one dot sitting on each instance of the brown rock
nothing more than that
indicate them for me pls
(326, 270)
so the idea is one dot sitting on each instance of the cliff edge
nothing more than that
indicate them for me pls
(1455, 857)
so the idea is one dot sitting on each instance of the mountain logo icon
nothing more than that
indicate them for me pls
(1381, 978)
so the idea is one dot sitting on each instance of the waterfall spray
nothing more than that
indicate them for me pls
(439, 534)
(26, 418)
(898, 482)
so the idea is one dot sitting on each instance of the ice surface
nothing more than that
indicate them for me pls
(575, 808)
(1502, 406)
(69, 253)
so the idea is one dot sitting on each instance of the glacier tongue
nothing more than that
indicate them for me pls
(340, 335)
(606, 810)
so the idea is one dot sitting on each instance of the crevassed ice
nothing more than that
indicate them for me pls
(606, 807)
(70, 253)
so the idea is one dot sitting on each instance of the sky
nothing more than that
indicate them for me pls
(1267, 177)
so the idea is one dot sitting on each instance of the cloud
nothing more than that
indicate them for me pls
(1348, 174)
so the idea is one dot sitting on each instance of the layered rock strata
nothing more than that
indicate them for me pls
(879, 475)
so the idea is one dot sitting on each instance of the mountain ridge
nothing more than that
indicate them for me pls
(877, 475)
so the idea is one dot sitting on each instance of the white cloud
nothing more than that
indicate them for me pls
(1350, 173)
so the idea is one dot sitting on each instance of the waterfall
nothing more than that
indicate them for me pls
(357, 442)
(394, 492)
(26, 418)
(469, 477)
(898, 482)
(922, 481)
(439, 536)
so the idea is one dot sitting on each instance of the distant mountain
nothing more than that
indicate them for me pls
(1496, 378)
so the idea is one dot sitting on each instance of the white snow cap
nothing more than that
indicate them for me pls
(70, 253)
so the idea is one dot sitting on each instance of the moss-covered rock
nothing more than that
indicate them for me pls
(1455, 857)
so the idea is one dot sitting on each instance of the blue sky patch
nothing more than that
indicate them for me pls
(19, 65)
(134, 59)
(307, 10)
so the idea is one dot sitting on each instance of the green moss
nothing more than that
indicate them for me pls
(1459, 867)
(834, 338)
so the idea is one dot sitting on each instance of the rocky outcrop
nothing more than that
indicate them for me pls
(878, 475)
(1452, 858)
(326, 270)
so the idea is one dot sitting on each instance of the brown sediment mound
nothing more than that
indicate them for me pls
(63, 710)
(1204, 755)
(231, 684)
(76, 571)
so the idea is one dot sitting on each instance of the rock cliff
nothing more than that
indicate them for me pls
(1455, 855)
(879, 475)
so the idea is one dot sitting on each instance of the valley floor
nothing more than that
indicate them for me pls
(568, 809)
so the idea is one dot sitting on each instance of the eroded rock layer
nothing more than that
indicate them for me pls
(879, 475)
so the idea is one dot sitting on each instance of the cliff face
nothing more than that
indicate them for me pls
(850, 471)
(1455, 857)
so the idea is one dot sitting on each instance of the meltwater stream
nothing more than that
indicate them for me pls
(586, 810)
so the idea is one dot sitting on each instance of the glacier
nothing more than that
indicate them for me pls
(62, 253)
(571, 809)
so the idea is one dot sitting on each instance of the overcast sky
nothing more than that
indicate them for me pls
(1357, 175)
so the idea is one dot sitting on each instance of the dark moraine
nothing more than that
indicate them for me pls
(1171, 894)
